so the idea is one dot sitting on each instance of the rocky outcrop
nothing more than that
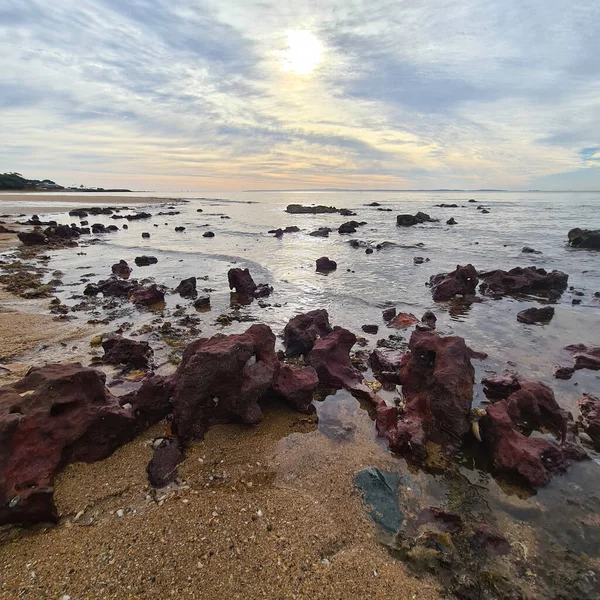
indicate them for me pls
(584, 238)
(325, 265)
(460, 282)
(532, 459)
(223, 378)
(241, 281)
(56, 415)
(528, 280)
(35, 237)
(121, 269)
(385, 364)
(296, 386)
(589, 406)
(533, 315)
(410, 220)
(187, 288)
(299, 209)
(129, 353)
(402, 321)
(301, 332)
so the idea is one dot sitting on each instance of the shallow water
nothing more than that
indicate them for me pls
(562, 515)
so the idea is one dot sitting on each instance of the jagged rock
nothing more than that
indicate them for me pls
(563, 372)
(402, 321)
(324, 265)
(187, 288)
(145, 261)
(223, 378)
(303, 330)
(113, 286)
(462, 281)
(528, 280)
(241, 281)
(388, 314)
(536, 315)
(429, 319)
(451, 221)
(33, 238)
(123, 351)
(147, 296)
(410, 220)
(589, 407)
(346, 212)
(584, 238)
(202, 303)
(385, 364)
(121, 269)
(296, 386)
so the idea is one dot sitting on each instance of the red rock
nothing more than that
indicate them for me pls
(147, 296)
(385, 364)
(388, 314)
(463, 281)
(151, 402)
(123, 351)
(324, 265)
(533, 459)
(533, 315)
(241, 281)
(296, 386)
(403, 320)
(121, 269)
(588, 359)
(500, 386)
(563, 372)
(223, 378)
(589, 407)
(437, 383)
(162, 468)
(302, 330)
(528, 280)
(57, 414)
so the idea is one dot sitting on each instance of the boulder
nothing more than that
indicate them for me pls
(296, 386)
(145, 235)
(300, 334)
(241, 281)
(536, 315)
(437, 380)
(162, 468)
(291, 229)
(78, 212)
(33, 238)
(299, 209)
(462, 281)
(388, 314)
(202, 303)
(187, 288)
(451, 221)
(145, 261)
(123, 351)
(429, 319)
(385, 364)
(321, 232)
(402, 321)
(57, 414)
(347, 227)
(208, 234)
(589, 406)
(263, 290)
(584, 238)
(121, 269)
(222, 379)
(528, 250)
(372, 329)
(528, 280)
(410, 220)
(179, 229)
(113, 286)
(147, 296)
(324, 265)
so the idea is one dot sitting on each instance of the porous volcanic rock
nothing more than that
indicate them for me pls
(462, 281)
(296, 386)
(147, 296)
(241, 281)
(589, 406)
(301, 332)
(536, 315)
(124, 351)
(528, 280)
(584, 238)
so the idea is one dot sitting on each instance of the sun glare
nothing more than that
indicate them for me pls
(303, 54)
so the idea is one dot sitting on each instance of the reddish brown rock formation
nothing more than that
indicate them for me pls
(463, 281)
(385, 364)
(403, 320)
(528, 280)
(123, 351)
(112, 286)
(35, 237)
(589, 407)
(296, 386)
(241, 281)
(302, 330)
(147, 296)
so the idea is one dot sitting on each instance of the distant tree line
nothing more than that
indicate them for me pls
(16, 181)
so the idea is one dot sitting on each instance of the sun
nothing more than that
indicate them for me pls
(303, 54)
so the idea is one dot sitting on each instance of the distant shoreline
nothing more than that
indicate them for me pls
(442, 190)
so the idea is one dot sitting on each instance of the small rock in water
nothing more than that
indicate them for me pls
(536, 315)
(145, 261)
(202, 303)
(528, 250)
(179, 228)
(208, 234)
(419, 260)
(145, 234)
(325, 265)
(370, 328)
(369, 251)
(451, 221)
(388, 314)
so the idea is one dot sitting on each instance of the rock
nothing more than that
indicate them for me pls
(528, 250)
(346, 212)
(151, 402)
(324, 265)
(500, 387)
(199, 210)
(162, 468)
(123, 351)
(263, 290)
(78, 212)
(179, 229)
(321, 232)
(584, 238)
(303, 330)
(112, 286)
(385, 364)
(278, 233)
(32, 238)
(138, 216)
(536, 315)
(447, 205)
(589, 406)
(472, 200)
(241, 281)
(369, 251)
(487, 540)
(187, 288)
(6, 230)
(437, 380)
(121, 269)
(429, 319)
(147, 296)
(347, 227)
(374, 204)
(533, 459)
(202, 303)
(462, 281)
(372, 329)
(388, 314)
(145, 235)
(402, 321)
(296, 386)
(61, 232)
(585, 357)
(410, 220)
(485, 211)
(57, 414)
(563, 372)
(380, 493)
(528, 280)
(451, 221)
(299, 209)
(208, 234)
(222, 379)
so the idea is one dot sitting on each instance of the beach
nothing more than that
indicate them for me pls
(273, 509)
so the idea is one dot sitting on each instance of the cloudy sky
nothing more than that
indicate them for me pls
(226, 94)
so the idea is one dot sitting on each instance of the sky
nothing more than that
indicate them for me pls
(233, 95)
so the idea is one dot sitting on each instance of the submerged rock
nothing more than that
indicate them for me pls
(410, 220)
(585, 357)
(123, 351)
(372, 329)
(584, 238)
(324, 265)
(301, 332)
(113, 286)
(536, 315)
(321, 232)
(299, 209)
(121, 269)
(187, 288)
(462, 281)
(208, 234)
(385, 363)
(528, 280)
(402, 321)
(451, 221)
(380, 493)
(528, 250)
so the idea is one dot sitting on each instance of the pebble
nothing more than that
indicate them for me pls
(120, 513)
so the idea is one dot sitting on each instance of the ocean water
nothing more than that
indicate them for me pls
(563, 513)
